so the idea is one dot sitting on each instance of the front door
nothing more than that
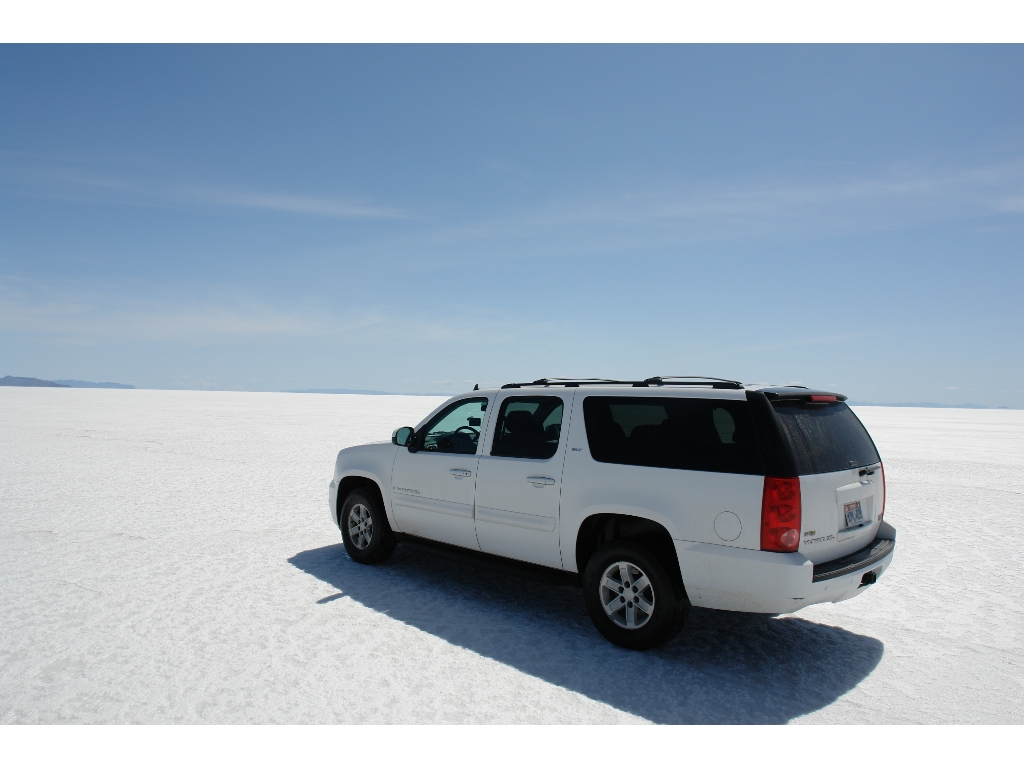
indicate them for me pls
(519, 479)
(432, 487)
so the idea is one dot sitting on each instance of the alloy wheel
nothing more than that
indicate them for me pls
(626, 595)
(360, 526)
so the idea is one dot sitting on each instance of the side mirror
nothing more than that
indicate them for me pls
(402, 436)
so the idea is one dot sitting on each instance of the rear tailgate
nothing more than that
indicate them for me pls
(841, 485)
(840, 512)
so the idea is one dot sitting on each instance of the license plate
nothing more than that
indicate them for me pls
(854, 514)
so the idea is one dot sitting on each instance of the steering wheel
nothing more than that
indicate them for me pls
(476, 432)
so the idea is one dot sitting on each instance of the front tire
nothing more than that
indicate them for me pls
(630, 596)
(365, 530)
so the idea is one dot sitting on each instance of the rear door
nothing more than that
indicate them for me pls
(519, 479)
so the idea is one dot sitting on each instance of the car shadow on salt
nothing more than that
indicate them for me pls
(722, 668)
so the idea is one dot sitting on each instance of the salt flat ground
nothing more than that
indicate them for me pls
(166, 557)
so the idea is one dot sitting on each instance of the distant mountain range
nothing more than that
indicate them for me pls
(448, 394)
(28, 381)
(93, 384)
(337, 392)
(361, 392)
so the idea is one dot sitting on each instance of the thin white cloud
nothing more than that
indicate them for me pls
(90, 322)
(337, 208)
(702, 212)
(897, 197)
(74, 185)
(811, 203)
(92, 314)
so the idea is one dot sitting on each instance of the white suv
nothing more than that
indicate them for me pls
(655, 495)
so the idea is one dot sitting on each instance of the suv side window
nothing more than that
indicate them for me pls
(528, 427)
(457, 428)
(673, 432)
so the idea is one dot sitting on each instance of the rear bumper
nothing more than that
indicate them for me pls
(734, 579)
(876, 551)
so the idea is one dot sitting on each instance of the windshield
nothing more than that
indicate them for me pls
(825, 438)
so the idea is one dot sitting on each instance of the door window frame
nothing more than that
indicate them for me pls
(497, 422)
(421, 434)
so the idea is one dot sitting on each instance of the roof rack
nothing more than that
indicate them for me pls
(556, 382)
(654, 381)
(695, 380)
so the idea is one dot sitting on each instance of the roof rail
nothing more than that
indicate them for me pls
(654, 381)
(694, 380)
(556, 382)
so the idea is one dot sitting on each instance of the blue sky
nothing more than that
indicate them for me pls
(424, 218)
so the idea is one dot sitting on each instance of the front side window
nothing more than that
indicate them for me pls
(457, 428)
(673, 432)
(528, 427)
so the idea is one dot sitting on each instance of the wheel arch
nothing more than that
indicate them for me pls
(600, 528)
(349, 483)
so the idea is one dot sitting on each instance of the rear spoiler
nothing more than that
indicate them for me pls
(800, 393)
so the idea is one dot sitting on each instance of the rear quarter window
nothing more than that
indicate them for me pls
(673, 432)
(825, 438)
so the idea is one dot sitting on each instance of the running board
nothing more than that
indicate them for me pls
(538, 574)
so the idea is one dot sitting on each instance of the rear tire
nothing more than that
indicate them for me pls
(630, 596)
(365, 530)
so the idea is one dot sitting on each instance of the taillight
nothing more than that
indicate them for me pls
(882, 513)
(780, 514)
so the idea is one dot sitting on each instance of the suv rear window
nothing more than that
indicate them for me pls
(825, 438)
(673, 432)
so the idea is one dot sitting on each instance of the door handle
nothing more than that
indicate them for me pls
(536, 480)
(460, 472)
